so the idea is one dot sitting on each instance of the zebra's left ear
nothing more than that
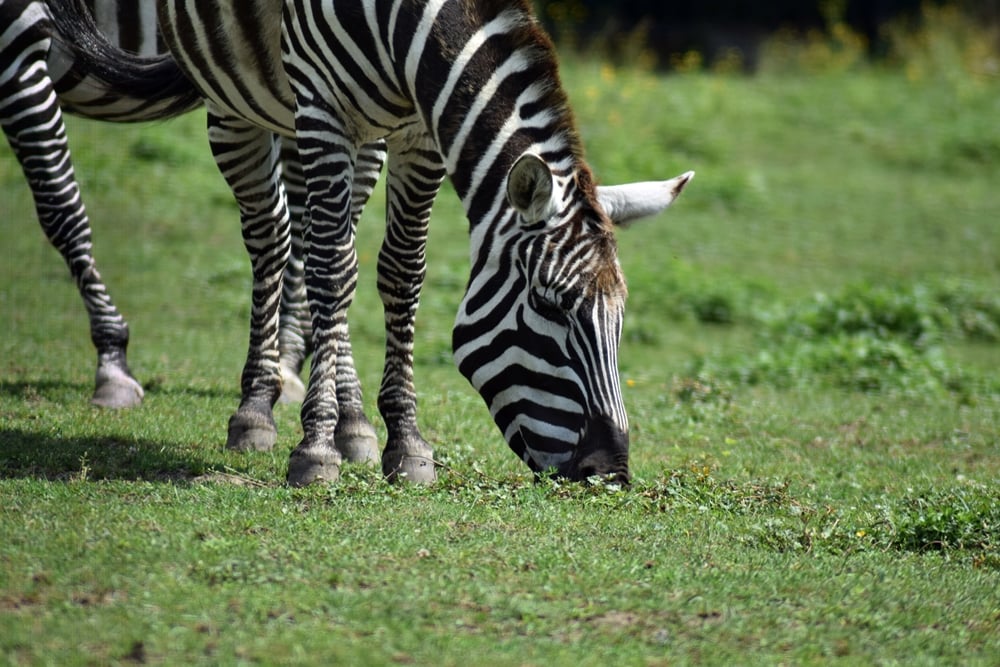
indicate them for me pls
(529, 189)
(627, 203)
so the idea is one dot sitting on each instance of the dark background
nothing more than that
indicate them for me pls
(712, 27)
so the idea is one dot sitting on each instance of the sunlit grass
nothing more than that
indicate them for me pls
(793, 514)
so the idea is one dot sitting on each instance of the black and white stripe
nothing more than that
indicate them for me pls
(35, 68)
(466, 89)
(40, 72)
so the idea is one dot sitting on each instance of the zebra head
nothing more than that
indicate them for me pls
(538, 330)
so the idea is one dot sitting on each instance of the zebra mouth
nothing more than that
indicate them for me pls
(601, 454)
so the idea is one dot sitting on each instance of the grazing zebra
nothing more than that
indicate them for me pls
(36, 72)
(466, 89)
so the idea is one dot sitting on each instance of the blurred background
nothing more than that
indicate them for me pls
(736, 33)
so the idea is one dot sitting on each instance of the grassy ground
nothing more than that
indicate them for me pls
(809, 365)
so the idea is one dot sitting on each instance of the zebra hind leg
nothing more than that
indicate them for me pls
(247, 158)
(295, 328)
(355, 436)
(32, 122)
(330, 161)
(415, 175)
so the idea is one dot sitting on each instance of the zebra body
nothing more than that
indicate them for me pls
(459, 88)
(39, 74)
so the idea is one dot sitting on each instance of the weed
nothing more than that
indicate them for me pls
(955, 519)
(868, 338)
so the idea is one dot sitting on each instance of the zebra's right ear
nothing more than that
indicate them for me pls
(629, 202)
(529, 189)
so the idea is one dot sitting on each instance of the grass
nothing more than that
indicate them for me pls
(808, 361)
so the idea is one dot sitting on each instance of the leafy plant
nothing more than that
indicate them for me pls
(961, 518)
(867, 338)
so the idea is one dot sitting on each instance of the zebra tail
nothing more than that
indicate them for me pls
(149, 87)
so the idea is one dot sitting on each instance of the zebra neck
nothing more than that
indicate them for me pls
(485, 79)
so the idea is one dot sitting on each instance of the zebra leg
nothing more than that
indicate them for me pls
(247, 156)
(414, 177)
(295, 328)
(32, 121)
(355, 436)
(331, 268)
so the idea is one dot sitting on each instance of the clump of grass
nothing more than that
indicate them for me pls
(911, 316)
(860, 362)
(973, 311)
(963, 518)
(683, 293)
(868, 338)
(960, 519)
(920, 315)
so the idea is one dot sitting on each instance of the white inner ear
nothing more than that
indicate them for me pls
(625, 203)
(530, 189)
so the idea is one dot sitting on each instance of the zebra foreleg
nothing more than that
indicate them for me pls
(354, 436)
(415, 175)
(32, 121)
(247, 158)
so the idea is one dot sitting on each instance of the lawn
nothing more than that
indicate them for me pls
(809, 362)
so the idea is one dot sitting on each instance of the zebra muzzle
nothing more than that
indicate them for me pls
(601, 453)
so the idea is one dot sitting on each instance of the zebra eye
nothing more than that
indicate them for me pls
(548, 308)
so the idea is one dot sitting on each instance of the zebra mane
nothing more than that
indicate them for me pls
(542, 123)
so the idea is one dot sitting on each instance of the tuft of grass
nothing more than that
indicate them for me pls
(869, 338)
(964, 518)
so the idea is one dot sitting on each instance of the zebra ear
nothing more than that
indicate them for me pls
(529, 189)
(629, 202)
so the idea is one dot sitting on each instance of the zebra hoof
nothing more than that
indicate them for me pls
(413, 465)
(356, 441)
(251, 432)
(309, 467)
(292, 388)
(116, 389)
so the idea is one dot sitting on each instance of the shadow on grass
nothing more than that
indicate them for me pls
(32, 455)
(56, 390)
(49, 390)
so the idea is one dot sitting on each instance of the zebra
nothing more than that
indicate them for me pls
(460, 89)
(33, 70)
(37, 72)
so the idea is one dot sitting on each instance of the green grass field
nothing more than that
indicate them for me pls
(809, 361)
